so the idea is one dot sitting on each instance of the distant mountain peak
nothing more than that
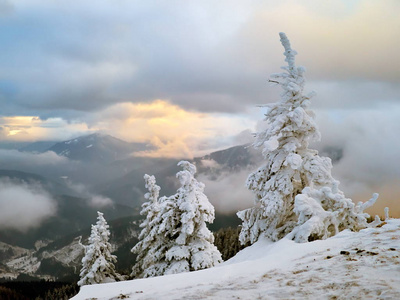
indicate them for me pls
(96, 147)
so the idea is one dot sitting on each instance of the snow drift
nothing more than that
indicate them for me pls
(364, 264)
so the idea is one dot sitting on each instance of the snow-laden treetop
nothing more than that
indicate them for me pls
(289, 116)
(294, 191)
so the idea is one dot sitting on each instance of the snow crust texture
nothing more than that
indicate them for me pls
(350, 265)
(294, 191)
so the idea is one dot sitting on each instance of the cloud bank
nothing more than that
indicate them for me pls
(172, 130)
(94, 200)
(32, 128)
(369, 139)
(24, 206)
(228, 192)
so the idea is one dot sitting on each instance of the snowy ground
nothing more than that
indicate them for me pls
(363, 265)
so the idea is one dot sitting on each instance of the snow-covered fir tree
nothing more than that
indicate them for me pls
(193, 247)
(98, 262)
(295, 192)
(183, 243)
(152, 245)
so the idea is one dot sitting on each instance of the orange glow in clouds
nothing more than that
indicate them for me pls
(174, 131)
(31, 129)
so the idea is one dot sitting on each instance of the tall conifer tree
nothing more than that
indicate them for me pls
(294, 191)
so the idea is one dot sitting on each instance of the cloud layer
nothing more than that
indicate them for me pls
(228, 192)
(24, 206)
(32, 128)
(63, 60)
(369, 139)
(173, 131)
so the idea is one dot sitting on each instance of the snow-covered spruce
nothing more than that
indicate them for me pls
(152, 245)
(295, 192)
(98, 262)
(177, 238)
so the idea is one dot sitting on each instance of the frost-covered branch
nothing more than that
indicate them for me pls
(361, 206)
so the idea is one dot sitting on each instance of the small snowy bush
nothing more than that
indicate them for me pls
(295, 192)
(98, 262)
(175, 237)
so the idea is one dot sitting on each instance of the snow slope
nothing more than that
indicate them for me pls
(355, 265)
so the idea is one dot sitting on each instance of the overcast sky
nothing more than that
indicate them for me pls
(68, 64)
(187, 76)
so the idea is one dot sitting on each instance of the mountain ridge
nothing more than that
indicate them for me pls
(96, 147)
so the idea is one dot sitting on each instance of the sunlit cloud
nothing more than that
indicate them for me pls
(29, 128)
(173, 131)
(170, 129)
